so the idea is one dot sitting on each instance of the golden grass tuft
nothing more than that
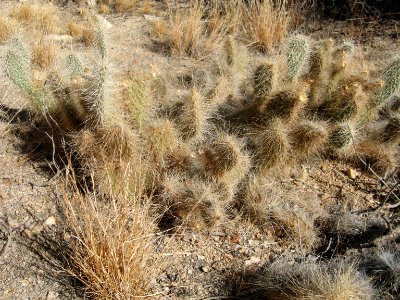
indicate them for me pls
(104, 9)
(267, 23)
(186, 33)
(288, 214)
(124, 5)
(7, 29)
(43, 54)
(44, 18)
(112, 246)
(75, 30)
(336, 280)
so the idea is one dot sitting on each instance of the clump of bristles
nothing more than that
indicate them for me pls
(308, 137)
(333, 280)
(290, 216)
(384, 270)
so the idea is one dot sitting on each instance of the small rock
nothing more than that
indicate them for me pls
(205, 269)
(216, 238)
(27, 233)
(91, 2)
(37, 229)
(13, 223)
(61, 38)
(253, 260)
(50, 221)
(51, 295)
(353, 174)
(152, 18)
(190, 271)
(253, 243)
(103, 23)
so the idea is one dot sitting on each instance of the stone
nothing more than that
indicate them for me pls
(50, 221)
(37, 229)
(91, 2)
(27, 233)
(205, 269)
(103, 23)
(60, 38)
(51, 295)
(351, 173)
(253, 260)
(152, 18)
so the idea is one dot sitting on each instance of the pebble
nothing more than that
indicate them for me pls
(51, 295)
(205, 269)
(27, 233)
(253, 260)
(50, 221)
(37, 229)
(351, 173)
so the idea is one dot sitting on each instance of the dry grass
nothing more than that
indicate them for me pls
(266, 23)
(111, 241)
(290, 216)
(124, 5)
(104, 9)
(337, 280)
(44, 18)
(186, 32)
(75, 29)
(200, 29)
(43, 54)
(7, 29)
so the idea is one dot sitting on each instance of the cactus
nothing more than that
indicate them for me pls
(74, 65)
(284, 105)
(341, 104)
(308, 137)
(18, 69)
(391, 77)
(192, 118)
(221, 156)
(271, 145)
(297, 52)
(231, 50)
(162, 138)
(263, 81)
(341, 136)
(138, 103)
(392, 129)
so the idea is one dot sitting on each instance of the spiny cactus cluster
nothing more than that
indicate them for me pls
(202, 148)
(72, 102)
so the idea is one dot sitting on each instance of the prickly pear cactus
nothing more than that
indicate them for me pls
(263, 80)
(391, 79)
(74, 65)
(296, 56)
(18, 66)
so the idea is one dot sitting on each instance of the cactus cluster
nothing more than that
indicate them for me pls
(203, 147)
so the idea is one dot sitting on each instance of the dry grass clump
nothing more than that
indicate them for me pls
(75, 30)
(43, 54)
(202, 27)
(7, 29)
(44, 18)
(384, 270)
(111, 246)
(104, 9)
(187, 33)
(124, 5)
(290, 215)
(266, 22)
(335, 280)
